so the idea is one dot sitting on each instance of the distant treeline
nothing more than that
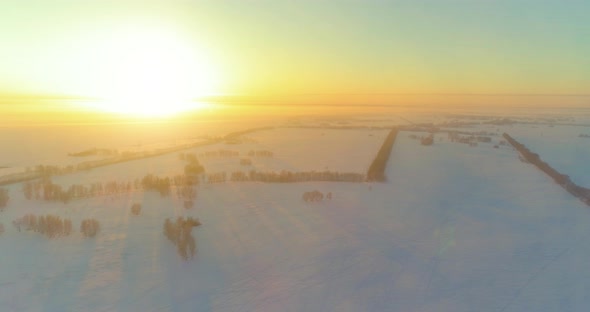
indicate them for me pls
(43, 171)
(290, 177)
(283, 176)
(95, 152)
(237, 134)
(227, 153)
(562, 179)
(46, 190)
(49, 225)
(220, 153)
(376, 171)
(359, 127)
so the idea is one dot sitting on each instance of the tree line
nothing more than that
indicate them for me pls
(46, 190)
(285, 176)
(376, 170)
(48, 225)
(220, 153)
(54, 226)
(261, 153)
(562, 179)
(228, 153)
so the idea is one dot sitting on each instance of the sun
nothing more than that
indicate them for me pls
(152, 73)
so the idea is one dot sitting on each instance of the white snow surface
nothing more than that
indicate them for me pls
(455, 228)
(298, 149)
(294, 149)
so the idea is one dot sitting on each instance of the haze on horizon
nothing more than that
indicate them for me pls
(294, 155)
(304, 52)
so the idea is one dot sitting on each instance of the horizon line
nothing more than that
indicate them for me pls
(66, 96)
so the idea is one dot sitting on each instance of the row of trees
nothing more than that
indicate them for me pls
(562, 179)
(179, 233)
(220, 153)
(536, 160)
(51, 170)
(471, 139)
(183, 180)
(48, 170)
(46, 190)
(261, 153)
(95, 152)
(376, 170)
(49, 225)
(154, 183)
(228, 153)
(54, 226)
(285, 176)
(217, 177)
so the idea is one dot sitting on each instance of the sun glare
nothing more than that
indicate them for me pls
(154, 73)
(145, 107)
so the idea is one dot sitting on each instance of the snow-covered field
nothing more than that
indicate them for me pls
(455, 228)
(297, 149)
(485, 232)
(293, 149)
(50, 145)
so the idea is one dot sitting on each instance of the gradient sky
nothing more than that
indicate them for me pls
(278, 47)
